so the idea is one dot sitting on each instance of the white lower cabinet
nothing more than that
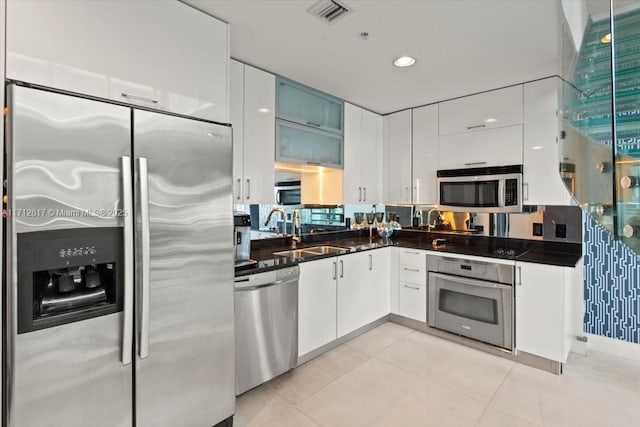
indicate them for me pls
(363, 289)
(338, 295)
(412, 301)
(316, 304)
(543, 310)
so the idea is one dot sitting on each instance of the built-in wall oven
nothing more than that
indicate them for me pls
(471, 298)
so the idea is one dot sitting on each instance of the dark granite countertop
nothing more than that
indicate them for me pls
(534, 251)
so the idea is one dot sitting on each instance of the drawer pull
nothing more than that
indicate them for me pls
(475, 163)
(410, 252)
(476, 127)
(412, 287)
(411, 269)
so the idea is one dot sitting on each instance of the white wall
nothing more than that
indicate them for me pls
(575, 12)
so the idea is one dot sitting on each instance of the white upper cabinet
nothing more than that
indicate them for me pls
(492, 147)
(397, 157)
(362, 155)
(493, 109)
(542, 182)
(481, 130)
(252, 108)
(161, 54)
(425, 154)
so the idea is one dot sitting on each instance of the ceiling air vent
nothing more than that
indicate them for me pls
(329, 11)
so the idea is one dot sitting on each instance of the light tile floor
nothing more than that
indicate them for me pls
(395, 376)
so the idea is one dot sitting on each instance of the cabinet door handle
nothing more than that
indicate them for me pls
(139, 98)
(238, 196)
(313, 124)
(476, 127)
(525, 195)
(335, 270)
(475, 163)
(411, 252)
(341, 269)
(370, 262)
(248, 188)
(411, 269)
(359, 194)
(519, 276)
(412, 287)
(364, 199)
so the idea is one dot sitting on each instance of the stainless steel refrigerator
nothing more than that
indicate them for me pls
(119, 265)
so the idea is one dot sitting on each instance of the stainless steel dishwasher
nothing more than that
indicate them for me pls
(266, 314)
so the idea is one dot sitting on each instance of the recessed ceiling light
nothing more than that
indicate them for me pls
(606, 38)
(264, 110)
(491, 120)
(404, 61)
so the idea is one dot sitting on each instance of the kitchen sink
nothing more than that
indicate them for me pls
(312, 251)
(295, 253)
(325, 250)
(366, 246)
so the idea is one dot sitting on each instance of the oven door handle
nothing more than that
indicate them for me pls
(470, 282)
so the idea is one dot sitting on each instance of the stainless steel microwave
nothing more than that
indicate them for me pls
(287, 193)
(488, 189)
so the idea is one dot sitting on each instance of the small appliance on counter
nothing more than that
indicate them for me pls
(242, 233)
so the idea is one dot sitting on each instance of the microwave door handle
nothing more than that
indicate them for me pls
(278, 202)
(501, 195)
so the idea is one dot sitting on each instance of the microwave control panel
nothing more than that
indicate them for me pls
(511, 192)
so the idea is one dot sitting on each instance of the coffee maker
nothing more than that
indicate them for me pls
(242, 233)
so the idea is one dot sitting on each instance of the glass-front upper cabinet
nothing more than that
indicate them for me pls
(303, 144)
(308, 107)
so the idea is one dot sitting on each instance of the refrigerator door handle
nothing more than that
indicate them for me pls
(127, 199)
(145, 258)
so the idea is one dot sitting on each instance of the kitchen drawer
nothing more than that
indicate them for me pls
(411, 274)
(412, 301)
(412, 257)
(496, 108)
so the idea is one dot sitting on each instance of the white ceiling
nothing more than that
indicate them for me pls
(462, 46)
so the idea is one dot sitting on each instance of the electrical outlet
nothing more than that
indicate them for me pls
(561, 231)
(538, 229)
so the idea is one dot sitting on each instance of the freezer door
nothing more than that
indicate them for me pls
(64, 166)
(184, 322)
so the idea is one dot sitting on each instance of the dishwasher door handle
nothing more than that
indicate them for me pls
(265, 285)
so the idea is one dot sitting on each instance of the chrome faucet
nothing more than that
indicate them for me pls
(297, 226)
(284, 219)
(429, 225)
